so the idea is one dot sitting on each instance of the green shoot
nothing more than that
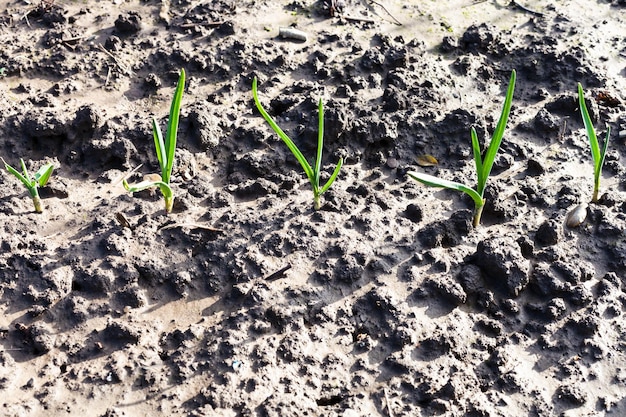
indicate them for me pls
(165, 149)
(41, 179)
(483, 166)
(312, 172)
(597, 154)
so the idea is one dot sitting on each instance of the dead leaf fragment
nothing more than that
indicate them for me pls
(607, 99)
(121, 219)
(427, 161)
(152, 177)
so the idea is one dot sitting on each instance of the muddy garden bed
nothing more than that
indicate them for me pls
(247, 302)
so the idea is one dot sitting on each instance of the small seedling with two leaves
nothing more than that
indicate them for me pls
(165, 149)
(483, 165)
(597, 153)
(32, 184)
(312, 172)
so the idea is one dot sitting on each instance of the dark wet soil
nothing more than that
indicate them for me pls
(245, 301)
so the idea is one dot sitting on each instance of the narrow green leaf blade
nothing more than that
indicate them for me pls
(290, 144)
(43, 174)
(433, 181)
(333, 177)
(159, 145)
(167, 192)
(172, 127)
(17, 174)
(477, 156)
(25, 172)
(320, 144)
(498, 134)
(605, 147)
(591, 132)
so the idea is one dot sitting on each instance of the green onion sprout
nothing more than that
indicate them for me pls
(165, 149)
(483, 166)
(312, 172)
(40, 179)
(597, 154)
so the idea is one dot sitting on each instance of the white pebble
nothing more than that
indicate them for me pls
(292, 34)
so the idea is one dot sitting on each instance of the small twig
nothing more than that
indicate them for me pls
(526, 9)
(192, 226)
(103, 49)
(192, 25)
(74, 39)
(386, 11)
(44, 5)
(126, 175)
(359, 19)
(117, 62)
(275, 275)
(271, 277)
(67, 42)
(106, 81)
(389, 412)
(562, 130)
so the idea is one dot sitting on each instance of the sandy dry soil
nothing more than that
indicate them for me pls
(245, 301)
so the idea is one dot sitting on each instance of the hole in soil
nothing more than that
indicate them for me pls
(332, 400)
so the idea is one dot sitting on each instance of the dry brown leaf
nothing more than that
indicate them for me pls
(427, 161)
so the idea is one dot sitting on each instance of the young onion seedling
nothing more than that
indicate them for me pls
(165, 149)
(483, 165)
(41, 179)
(312, 172)
(597, 154)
